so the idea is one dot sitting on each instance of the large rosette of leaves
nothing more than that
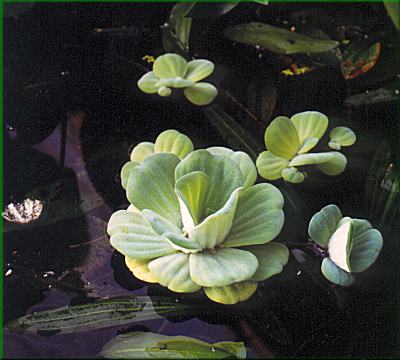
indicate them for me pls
(198, 221)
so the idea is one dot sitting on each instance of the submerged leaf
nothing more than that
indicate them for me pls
(358, 60)
(97, 315)
(206, 10)
(145, 345)
(393, 9)
(276, 39)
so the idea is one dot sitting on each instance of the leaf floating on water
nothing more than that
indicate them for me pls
(358, 60)
(393, 9)
(98, 315)
(372, 97)
(278, 40)
(145, 345)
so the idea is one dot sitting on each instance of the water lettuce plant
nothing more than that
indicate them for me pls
(351, 245)
(289, 141)
(197, 221)
(173, 71)
(148, 345)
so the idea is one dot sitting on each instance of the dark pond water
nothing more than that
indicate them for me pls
(73, 113)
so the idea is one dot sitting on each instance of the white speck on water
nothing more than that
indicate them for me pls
(299, 272)
(8, 272)
(213, 349)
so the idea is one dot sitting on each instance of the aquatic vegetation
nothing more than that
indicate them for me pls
(144, 345)
(193, 223)
(289, 140)
(277, 39)
(98, 315)
(352, 245)
(173, 71)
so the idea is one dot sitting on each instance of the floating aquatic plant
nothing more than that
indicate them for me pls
(144, 345)
(173, 71)
(351, 245)
(197, 220)
(289, 141)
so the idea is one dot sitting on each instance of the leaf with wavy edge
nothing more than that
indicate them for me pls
(133, 236)
(308, 144)
(172, 271)
(192, 189)
(259, 216)
(323, 224)
(231, 294)
(310, 124)
(172, 141)
(201, 93)
(341, 136)
(281, 138)
(270, 166)
(141, 151)
(140, 269)
(151, 186)
(335, 274)
(246, 165)
(272, 257)
(143, 345)
(199, 69)
(225, 176)
(170, 66)
(222, 267)
(214, 229)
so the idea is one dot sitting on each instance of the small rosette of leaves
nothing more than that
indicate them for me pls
(197, 221)
(289, 141)
(173, 71)
(352, 245)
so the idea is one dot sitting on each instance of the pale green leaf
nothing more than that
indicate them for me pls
(172, 141)
(246, 165)
(148, 83)
(193, 190)
(231, 294)
(199, 70)
(270, 166)
(172, 271)
(164, 91)
(281, 138)
(259, 216)
(126, 172)
(146, 345)
(335, 274)
(222, 267)
(343, 136)
(276, 39)
(340, 245)
(225, 176)
(323, 224)
(214, 229)
(151, 186)
(292, 175)
(170, 66)
(330, 163)
(133, 236)
(141, 151)
(310, 124)
(272, 257)
(140, 269)
(201, 93)
(177, 83)
(367, 244)
(308, 144)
